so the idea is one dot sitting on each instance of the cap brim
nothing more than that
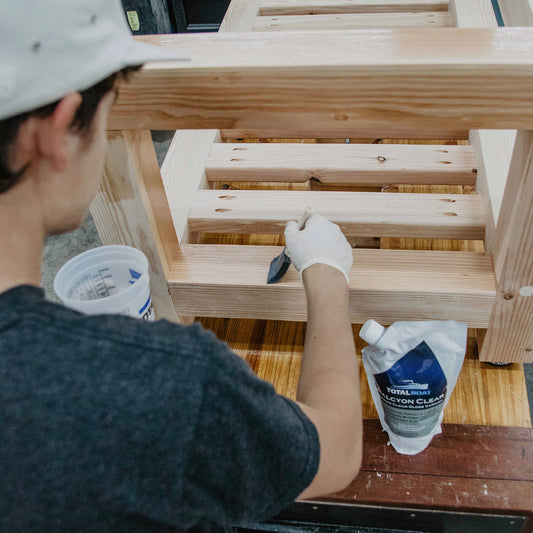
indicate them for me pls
(139, 53)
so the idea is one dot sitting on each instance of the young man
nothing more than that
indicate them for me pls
(109, 423)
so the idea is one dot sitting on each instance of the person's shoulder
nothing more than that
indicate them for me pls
(160, 335)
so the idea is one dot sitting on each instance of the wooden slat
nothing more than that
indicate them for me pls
(451, 216)
(388, 285)
(342, 163)
(481, 468)
(370, 133)
(240, 16)
(396, 79)
(353, 21)
(319, 7)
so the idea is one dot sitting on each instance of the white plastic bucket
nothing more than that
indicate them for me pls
(107, 280)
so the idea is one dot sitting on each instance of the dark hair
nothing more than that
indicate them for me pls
(81, 123)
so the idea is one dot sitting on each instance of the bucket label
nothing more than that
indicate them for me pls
(412, 392)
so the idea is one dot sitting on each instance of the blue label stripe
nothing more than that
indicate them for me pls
(143, 309)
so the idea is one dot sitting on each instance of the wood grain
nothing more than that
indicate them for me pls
(357, 213)
(473, 13)
(342, 163)
(356, 133)
(353, 21)
(516, 12)
(130, 208)
(510, 333)
(396, 79)
(467, 468)
(317, 7)
(387, 285)
(493, 148)
(183, 173)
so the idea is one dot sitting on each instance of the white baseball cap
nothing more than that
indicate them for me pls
(49, 48)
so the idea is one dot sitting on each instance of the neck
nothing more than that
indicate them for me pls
(22, 235)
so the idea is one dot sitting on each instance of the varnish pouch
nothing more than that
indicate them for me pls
(412, 368)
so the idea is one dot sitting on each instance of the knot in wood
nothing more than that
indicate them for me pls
(382, 159)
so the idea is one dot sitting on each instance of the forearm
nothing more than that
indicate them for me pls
(329, 379)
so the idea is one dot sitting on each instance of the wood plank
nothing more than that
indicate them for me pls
(342, 163)
(516, 12)
(473, 13)
(462, 450)
(493, 148)
(319, 7)
(367, 78)
(353, 21)
(183, 173)
(467, 468)
(131, 208)
(240, 16)
(388, 285)
(510, 333)
(369, 134)
(357, 213)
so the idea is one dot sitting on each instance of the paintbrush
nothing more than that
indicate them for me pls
(281, 263)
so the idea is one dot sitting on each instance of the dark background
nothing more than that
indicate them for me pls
(177, 16)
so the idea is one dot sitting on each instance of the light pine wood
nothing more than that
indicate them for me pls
(368, 78)
(183, 174)
(387, 285)
(240, 16)
(510, 333)
(342, 163)
(356, 133)
(517, 12)
(473, 13)
(319, 7)
(130, 208)
(357, 213)
(493, 148)
(354, 21)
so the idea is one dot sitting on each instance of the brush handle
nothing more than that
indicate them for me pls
(305, 217)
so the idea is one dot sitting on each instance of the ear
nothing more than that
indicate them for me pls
(52, 135)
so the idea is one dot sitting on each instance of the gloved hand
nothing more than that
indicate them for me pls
(320, 241)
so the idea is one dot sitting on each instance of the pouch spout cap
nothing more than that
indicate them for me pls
(371, 331)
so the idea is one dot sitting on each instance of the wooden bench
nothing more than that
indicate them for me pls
(451, 238)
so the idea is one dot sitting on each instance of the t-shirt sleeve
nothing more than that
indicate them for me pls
(253, 451)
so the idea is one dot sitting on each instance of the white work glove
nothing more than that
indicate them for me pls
(320, 241)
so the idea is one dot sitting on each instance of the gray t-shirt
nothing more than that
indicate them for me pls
(109, 423)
